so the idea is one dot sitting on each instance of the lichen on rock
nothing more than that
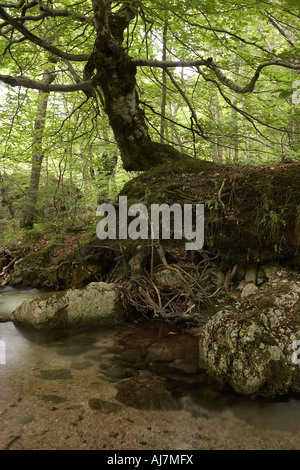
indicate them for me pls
(98, 303)
(250, 346)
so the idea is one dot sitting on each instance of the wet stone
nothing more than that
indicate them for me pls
(186, 368)
(74, 349)
(81, 365)
(105, 365)
(146, 393)
(88, 340)
(52, 398)
(26, 419)
(115, 349)
(160, 368)
(106, 378)
(103, 406)
(94, 357)
(132, 355)
(157, 353)
(55, 374)
(138, 365)
(119, 372)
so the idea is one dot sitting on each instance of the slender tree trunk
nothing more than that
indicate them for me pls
(217, 114)
(164, 88)
(27, 219)
(293, 127)
(5, 198)
(116, 78)
(236, 129)
(237, 70)
(173, 110)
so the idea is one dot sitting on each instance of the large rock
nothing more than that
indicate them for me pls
(250, 347)
(98, 303)
(28, 271)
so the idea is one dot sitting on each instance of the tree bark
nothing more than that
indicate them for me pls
(116, 77)
(27, 219)
(164, 87)
(5, 198)
(216, 112)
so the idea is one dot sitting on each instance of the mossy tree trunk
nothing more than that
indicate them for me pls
(116, 78)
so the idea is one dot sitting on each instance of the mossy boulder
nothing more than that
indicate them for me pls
(98, 303)
(70, 274)
(29, 270)
(252, 213)
(250, 347)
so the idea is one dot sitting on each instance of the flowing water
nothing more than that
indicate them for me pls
(131, 386)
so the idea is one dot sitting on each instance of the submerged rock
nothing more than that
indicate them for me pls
(146, 393)
(98, 303)
(251, 347)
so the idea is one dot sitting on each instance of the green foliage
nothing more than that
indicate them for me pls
(203, 117)
(212, 204)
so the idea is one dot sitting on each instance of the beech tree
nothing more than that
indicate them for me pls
(37, 154)
(91, 44)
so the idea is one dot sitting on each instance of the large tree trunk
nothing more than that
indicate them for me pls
(27, 219)
(116, 78)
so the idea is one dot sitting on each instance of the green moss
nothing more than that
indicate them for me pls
(250, 213)
(50, 228)
(31, 236)
(29, 271)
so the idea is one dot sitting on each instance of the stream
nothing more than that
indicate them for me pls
(132, 386)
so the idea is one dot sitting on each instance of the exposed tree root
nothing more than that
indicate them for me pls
(182, 301)
(7, 263)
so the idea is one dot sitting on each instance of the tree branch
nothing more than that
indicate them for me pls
(64, 13)
(279, 28)
(186, 100)
(40, 42)
(169, 63)
(213, 66)
(217, 30)
(33, 84)
(13, 5)
(54, 14)
(251, 85)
